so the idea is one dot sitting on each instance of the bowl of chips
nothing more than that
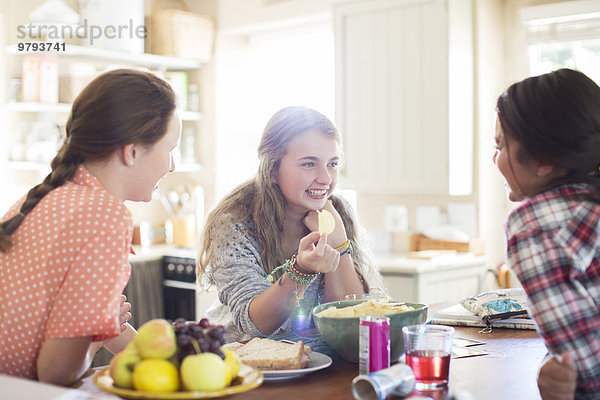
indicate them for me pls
(338, 321)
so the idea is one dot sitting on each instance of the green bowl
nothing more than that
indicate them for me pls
(341, 334)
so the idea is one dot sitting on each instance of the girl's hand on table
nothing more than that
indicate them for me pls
(557, 378)
(335, 238)
(124, 314)
(320, 258)
(118, 343)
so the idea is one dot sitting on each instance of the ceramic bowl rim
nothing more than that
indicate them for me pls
(350, 303)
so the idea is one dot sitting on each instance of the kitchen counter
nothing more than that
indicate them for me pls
(397, 263)
(156, 252)
(449, 277)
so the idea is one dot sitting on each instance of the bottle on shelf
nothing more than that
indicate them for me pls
(193, 100)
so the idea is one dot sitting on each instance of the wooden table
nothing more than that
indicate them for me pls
(508, 372)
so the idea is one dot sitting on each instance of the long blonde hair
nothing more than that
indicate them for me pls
(261, 199)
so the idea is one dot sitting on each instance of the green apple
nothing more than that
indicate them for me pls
(122, 366)
(131, 348)
(203, 372)
(156, 339)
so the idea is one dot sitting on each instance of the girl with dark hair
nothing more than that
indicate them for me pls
(267, 228)
(548, 150)
(64, 247)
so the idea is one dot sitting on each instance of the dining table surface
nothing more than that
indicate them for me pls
(507, 371)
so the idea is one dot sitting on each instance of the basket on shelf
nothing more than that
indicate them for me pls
(180, 33)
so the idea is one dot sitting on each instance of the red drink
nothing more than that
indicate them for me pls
(431, 367)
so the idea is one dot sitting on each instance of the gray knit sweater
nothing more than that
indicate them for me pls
(238, 274)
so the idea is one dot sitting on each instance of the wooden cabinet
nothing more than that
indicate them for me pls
(392, 94)
(450, 278)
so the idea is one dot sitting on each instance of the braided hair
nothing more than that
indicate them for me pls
(117, 108)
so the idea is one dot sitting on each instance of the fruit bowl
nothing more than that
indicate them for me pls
(341, 334)
(248, 378)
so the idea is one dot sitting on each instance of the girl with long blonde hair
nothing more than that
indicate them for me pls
(261, 246)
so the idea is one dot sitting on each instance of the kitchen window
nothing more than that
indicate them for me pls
(260, 73)
(563, 35)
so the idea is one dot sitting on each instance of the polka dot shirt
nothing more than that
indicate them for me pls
(64, 273)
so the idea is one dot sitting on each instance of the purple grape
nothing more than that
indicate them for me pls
(217, 332)
(196, 331)
(203, 323)
(204, 345)
(214, 347)
(183, 341)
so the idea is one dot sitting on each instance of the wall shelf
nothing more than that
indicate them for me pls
(64, 108)
(103, 55)
(39, 107)
(190, 115)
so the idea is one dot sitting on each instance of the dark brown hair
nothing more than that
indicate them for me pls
(555, 117)
(119, 107)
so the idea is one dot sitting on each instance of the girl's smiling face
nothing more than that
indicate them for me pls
(308, 172)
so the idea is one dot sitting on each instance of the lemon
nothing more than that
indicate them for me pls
(204, 372)
(155, 375)
(232, 360)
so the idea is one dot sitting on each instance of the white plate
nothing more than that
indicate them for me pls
(317, 361)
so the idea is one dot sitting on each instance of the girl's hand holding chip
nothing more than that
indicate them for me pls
(321, 221)
(316, 258)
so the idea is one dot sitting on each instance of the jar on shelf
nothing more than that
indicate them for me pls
(188, 145)
(193, 100)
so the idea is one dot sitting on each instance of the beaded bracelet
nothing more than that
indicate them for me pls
(347, 251)
(293, 269)
(302, 280)
(346, 243)
(295, 275)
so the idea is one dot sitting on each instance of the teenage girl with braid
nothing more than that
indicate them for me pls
(548, 150)
(64, 247)
(272, 218)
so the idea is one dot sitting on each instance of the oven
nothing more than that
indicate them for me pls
(179, 287)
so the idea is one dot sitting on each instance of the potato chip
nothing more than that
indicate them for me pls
(326, 222)
(369, 307)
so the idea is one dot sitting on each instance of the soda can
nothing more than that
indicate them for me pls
(374, 343)
(398, 380)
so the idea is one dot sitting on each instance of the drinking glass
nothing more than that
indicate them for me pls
(428, 349)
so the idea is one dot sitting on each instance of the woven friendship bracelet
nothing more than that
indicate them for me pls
(346, 243)
(301, 279)
(269, 277)
(297, 276)
(347, 251)
(293, 272)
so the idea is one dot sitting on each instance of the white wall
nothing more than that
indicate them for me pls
(251, 15)
(242, 105)
(491, 77)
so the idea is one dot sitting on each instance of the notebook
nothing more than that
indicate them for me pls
(457, 315)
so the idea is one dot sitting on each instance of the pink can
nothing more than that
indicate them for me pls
(374, 343)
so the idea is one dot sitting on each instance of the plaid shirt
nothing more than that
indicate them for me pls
(553, 246)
